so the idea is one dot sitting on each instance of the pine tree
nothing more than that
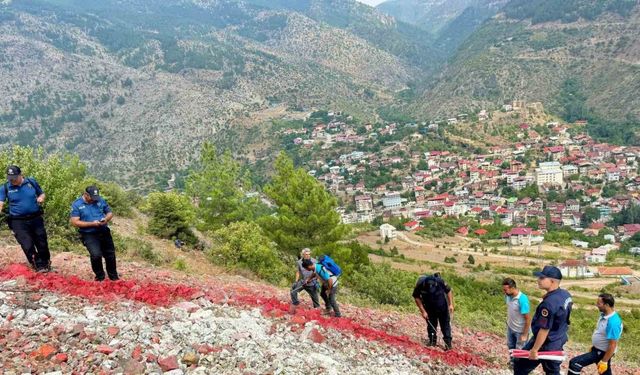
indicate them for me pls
(219, 188)
(306, 213)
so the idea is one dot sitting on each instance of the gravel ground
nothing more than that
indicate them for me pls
(160, 321)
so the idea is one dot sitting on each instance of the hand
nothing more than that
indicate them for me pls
(40, 199)
(97, 223)
(533, 354)
(602, 367)
(425, 315)
(451, 309)
(524, 337)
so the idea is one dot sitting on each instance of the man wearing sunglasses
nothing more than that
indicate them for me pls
(549, 326)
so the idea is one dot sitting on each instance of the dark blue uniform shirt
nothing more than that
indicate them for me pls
(433, 293)
(553, 314)
(90, 212)
(22, 199)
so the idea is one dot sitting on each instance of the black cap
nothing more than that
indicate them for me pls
(93, 191)
(13, 172)
(549, 271)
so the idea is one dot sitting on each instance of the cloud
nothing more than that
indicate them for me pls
(372, 2)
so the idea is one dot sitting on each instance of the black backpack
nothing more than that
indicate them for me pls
(432, 292)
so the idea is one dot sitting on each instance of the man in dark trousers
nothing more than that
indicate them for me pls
(304, 281)
(91, 215)
(434, 298)
(604, 339)
(549, 326)
(25, 220)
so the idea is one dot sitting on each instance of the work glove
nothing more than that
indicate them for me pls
(602, 367)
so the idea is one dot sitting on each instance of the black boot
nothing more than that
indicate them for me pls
(432, 341)
(447, 345)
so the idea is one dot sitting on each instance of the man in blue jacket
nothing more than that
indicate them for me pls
(329, 287)
(25, 197)
(91, 215)
(549, 326)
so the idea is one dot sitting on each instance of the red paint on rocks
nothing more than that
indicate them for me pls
(104, 349)
(347, 325)
(166, 294)
(61, 357)
(168, 363)
(46, 351)
(147, 292)
(316, 336)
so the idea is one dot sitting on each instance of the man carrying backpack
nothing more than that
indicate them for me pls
(25, 220)
(323, 271)
(434, 298)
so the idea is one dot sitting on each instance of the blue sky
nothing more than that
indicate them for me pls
(371, 2)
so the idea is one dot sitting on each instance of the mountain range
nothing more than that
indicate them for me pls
(135, 86)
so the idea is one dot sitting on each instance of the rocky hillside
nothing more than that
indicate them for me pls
(135, 86)
(435, 16)
(171, 323)
(570, 55)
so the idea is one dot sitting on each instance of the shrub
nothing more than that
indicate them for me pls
(450, 260)
(170, 215)
(383, 284)
(243, 244)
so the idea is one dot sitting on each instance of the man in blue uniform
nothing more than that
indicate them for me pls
(91, 215)
(434, 298)
(604, 339)
(550, 324)
(25, 220)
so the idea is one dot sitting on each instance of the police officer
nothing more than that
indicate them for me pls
(25, 220)
(434, 298)
(91, 214)
(550, 324)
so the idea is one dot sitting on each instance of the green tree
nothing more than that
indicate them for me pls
(590, 215)
(170, 216)
(244, 244)
(306, 213)
(219, 186)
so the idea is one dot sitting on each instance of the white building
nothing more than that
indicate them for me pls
(549, 173)
(392, 201)
(569, 170)
(388, 231)
(364, 203)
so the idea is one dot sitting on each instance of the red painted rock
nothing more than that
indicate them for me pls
(112, 331)
(61, 357)
(205, 349)
(35, 297)
(104, 349)
(137, 353)
(168, 363)
(316, 336)
(46, 351)
(298, 319)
